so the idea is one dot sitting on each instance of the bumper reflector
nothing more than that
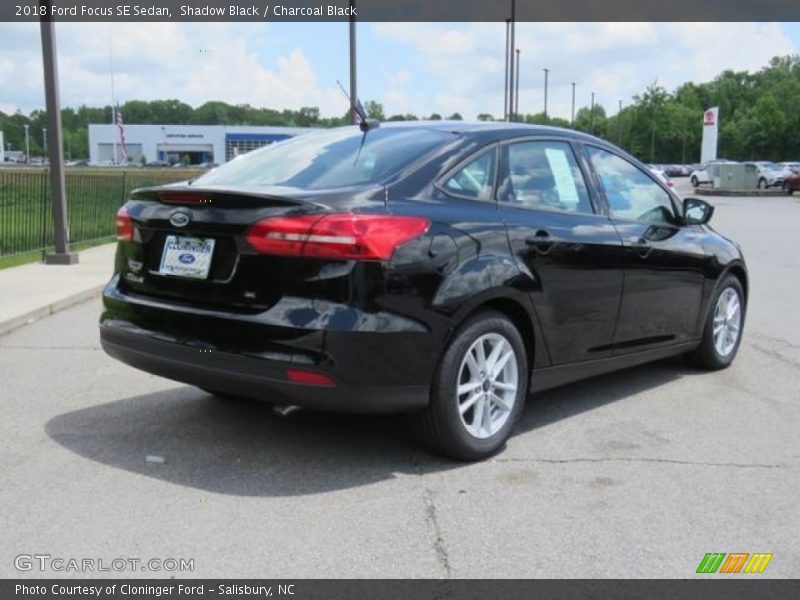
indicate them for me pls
(309, 378)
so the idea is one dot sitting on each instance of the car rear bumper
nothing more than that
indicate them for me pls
(376, 371)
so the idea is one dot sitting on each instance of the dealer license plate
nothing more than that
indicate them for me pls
(187, 256)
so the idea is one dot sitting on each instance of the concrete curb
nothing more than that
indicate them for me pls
(45, 311)
(752, 193)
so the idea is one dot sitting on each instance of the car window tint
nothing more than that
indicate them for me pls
(545, 175)
(475, 180)
(631, 194)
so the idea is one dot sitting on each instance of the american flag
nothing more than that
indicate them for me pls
(119, 123)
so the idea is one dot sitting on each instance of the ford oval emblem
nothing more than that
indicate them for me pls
(186, 259)
(179, 219)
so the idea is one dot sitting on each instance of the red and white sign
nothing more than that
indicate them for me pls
(709, 117)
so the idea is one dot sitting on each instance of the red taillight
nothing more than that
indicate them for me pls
(309, 378)
(124, 225)
(343, 236)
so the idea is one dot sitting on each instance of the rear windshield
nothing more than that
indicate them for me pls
(329, 159)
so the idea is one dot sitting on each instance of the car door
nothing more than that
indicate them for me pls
(571, 249)
(664, 261)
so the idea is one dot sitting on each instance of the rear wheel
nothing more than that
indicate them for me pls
(723, 330)
(762, 184)
(479, 390)
(694, 181)
(787, 187)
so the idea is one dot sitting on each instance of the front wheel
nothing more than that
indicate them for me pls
(787, 188)
(479, 390)
(723, 329)
(694, 181)
(762, 184)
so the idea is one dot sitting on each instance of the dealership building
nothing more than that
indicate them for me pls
(194, 144)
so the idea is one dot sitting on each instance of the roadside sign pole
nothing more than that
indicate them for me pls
(62, 255)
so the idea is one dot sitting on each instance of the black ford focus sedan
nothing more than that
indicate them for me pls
(445, 270)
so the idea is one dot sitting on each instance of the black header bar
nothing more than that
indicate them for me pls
(401, 10)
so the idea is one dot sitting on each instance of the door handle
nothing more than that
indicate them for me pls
(541, 242)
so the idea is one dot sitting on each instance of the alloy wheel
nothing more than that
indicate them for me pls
(488, 379)
(727, 321)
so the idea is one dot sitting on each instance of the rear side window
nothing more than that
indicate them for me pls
(545, 175)
(631, 194)
(339, 157)
(475, 180)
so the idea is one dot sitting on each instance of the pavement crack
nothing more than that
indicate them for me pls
(559, 461)
(438, 541)
(775, 354)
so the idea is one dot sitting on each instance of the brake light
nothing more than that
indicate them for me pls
(124, 225)
(342, 236)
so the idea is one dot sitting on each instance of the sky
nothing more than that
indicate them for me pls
(417, 68)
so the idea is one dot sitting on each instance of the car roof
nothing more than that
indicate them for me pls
(494, 129)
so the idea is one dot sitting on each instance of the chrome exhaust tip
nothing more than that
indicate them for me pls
(285, 410)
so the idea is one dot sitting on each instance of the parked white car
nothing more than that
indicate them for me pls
(770, 174)
(662, 177)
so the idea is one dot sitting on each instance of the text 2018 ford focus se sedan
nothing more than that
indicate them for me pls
(446, 270)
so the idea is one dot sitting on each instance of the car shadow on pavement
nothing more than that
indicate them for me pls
(187, 437)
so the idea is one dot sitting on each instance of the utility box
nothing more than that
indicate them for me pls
(735, 176)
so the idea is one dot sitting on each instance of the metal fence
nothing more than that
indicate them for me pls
(93, 198)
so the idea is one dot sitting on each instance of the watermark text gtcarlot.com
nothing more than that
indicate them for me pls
(49, 563)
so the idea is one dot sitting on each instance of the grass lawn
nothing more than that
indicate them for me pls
(93, 197)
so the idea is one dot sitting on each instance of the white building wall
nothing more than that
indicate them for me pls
(153, 138)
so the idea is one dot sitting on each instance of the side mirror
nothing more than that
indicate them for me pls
(696, 211)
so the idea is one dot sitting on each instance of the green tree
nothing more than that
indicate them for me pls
(375, 110)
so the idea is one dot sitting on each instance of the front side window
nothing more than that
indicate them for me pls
(544, 175)
(630, 193)
(475, 180)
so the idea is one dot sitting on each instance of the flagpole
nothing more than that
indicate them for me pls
(113, 104)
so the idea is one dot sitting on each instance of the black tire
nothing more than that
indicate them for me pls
(762, 184)
(440, 426)
(694, 181)
(787, 188)
(706, 355)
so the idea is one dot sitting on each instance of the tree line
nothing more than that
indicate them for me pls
(759, 118)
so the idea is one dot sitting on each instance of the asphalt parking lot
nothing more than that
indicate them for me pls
(635, 474)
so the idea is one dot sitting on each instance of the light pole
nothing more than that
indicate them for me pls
(508, 66)
(619, 122)
(572, 117)
(512, 67)
(44, 144)
(546, 73)
(516, 88)
(27, 144)
(62, 255)
(353, 82)
(592, 115)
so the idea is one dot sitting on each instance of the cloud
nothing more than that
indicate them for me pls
(466, 65)
(410, 67)
(194, 62)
